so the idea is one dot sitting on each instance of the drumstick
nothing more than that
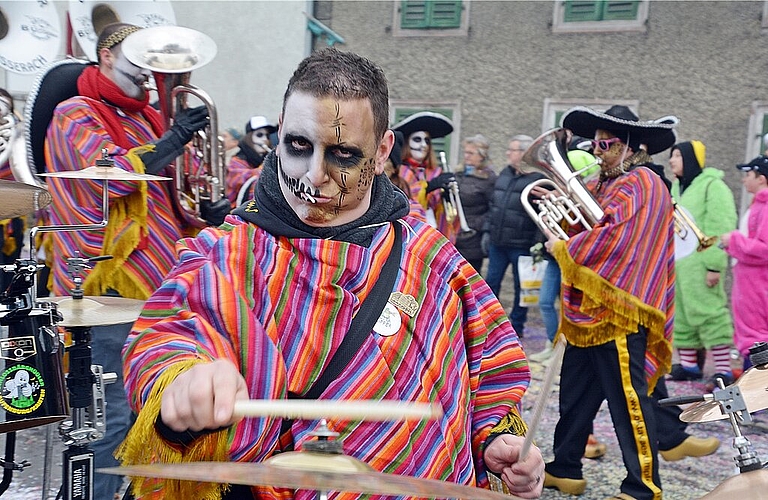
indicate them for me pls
(337, 409)
(538, 409)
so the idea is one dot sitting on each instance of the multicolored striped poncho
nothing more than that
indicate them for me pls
(621, 274)
(417, 177)
(238, 172)
(278, 308)
(144, 226)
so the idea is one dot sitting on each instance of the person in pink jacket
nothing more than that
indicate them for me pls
(749, 296)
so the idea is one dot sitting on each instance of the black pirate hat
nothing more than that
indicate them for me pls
(656, 135)
(435, 124)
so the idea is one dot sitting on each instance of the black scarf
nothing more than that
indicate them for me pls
(249, 154)
(270, 211)
(691, 167)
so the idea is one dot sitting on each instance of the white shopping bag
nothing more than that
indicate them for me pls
(531, 275)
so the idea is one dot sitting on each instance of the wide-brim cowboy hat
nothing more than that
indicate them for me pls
(656, 135)
(435, 124)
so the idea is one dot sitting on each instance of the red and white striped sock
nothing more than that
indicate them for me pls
(722, 355)
(688, 359)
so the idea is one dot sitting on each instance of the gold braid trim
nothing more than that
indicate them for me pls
(117, 37)
(143, 445)
(511, 423)
(621, 313)
(126, 226)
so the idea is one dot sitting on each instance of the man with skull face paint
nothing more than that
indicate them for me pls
(112, 112)
(244, 169)
(257, 307)
(420, 169)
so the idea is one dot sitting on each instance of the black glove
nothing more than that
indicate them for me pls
(189, 121)
(171, 144)
(485, 243)
(214, 213)
(441, 181)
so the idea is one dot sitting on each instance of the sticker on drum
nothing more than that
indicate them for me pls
(22, 388)
(17, 349)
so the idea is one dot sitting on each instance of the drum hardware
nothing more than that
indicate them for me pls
(8, 464)
(320, 466)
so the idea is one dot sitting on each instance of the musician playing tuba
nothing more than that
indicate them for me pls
(111, 111)
(617, 309)
(702, 316)
(429, 184)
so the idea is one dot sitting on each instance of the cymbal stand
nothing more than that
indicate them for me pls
(324, 445)
(8, 464)
(732, 404)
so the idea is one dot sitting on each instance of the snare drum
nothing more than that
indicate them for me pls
(32, 385)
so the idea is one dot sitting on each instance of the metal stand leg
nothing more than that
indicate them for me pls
(47, 460)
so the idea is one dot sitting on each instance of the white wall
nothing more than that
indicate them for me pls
(259, 43)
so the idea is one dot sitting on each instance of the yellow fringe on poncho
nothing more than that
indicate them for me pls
(143, 445)
(121, 238)
(621, 313)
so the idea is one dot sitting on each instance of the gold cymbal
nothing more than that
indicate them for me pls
(97, 311)
(754, 388)
(17, 199)
(265, 474)
(750, 485)
(105, 173)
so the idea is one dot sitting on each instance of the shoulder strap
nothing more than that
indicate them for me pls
(363, 322)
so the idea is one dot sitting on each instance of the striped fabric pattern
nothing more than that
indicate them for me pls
(632, 247)
(74, 141)
(269, 306)
(415, 176)
(239, 171)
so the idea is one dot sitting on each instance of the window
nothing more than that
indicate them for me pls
(430, 17)
(441, 144)
(600, 15)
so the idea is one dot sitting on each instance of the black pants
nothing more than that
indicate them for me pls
(614, 371)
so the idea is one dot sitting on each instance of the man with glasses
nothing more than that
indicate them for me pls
(618, 309)
(508, 231)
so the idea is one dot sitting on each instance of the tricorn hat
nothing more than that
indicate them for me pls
(435, 124)
(656, 135)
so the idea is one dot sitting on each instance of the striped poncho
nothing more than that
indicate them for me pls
(144, 226)
(278, 308)
(416, 177)
(621, 273)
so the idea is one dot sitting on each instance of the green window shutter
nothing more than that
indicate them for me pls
(559, 118)
(441, 144)
(765, 125)
(423, 14)
(414, 15)
(446, 14)
(600, 10)
(619, 11)
(576, 11)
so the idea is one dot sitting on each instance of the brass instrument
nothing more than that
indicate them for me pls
(171, 53)
(13, 149)
(685, 226)
(569, 200)
(452, 205)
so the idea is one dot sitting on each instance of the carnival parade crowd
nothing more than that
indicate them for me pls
(348, 260)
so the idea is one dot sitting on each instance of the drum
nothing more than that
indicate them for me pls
(32, 385)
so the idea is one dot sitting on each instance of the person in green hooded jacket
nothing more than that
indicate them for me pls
(702, 316)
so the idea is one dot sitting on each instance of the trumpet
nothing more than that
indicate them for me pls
(171, 53)
(684, 227)
(452, 205)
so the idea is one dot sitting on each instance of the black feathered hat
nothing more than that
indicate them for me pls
(656, 135)
(435, 124)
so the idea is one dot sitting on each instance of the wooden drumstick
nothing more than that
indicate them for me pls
(337, 409)
(538, 409)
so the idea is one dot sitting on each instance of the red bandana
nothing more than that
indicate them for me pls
(93, 84)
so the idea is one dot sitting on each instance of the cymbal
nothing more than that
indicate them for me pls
(265, 474)
(750, 485)
(105, 173)
(97, 311)
(754, 388)
(18, 198)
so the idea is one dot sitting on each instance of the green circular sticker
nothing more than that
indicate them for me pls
(23, 389)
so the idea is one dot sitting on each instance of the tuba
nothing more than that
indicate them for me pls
(569, 200)
(171, 53)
